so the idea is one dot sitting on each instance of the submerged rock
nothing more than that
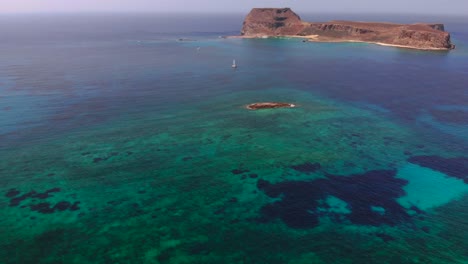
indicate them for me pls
(307, 167)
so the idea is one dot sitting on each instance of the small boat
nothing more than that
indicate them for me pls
(234, 65)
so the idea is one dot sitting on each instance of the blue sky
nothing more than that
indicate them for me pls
(239, 6)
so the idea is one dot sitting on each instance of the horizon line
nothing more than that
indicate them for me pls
(217, 12)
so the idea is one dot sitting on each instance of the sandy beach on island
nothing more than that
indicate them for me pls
(317, 38)
(308, 37)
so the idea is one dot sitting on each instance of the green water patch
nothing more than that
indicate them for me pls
(454, 167)
(428, 188)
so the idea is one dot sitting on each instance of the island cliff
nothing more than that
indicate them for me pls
(276, 22)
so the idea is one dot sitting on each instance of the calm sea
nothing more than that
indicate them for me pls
(124, 138)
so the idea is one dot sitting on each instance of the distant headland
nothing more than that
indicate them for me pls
(283, 22)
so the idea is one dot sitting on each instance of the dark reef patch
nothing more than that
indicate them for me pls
(307, 167)
(371, 198)
(426, 229)
(12, 193)
(416, 210)
(239, 171)
(75, 206)
(42, 207)
(386, 238)
(97, 160)
(47, 208)
(17, 200)
(62, 206)
(202, 248)
(455, 167)
(110, 155)
(46, 194)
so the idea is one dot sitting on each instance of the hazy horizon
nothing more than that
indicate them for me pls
(420, 7)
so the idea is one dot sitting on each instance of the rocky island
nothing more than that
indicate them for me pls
(269, 105)
(283, 22)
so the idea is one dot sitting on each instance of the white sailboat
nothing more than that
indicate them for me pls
(234, 65)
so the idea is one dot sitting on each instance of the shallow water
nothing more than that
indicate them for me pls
(121, 144)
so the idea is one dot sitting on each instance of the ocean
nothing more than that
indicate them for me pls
(124, 138)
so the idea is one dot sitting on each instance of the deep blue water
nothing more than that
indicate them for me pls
(120, 143)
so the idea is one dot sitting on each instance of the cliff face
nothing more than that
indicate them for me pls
(424, 38)
(272, 22)
(284, 22)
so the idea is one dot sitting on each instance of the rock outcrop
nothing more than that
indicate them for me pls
(274, 22)
(269, 105)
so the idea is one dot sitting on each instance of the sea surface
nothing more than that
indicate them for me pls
(124, 138)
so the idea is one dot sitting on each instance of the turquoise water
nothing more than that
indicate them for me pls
(121, 144)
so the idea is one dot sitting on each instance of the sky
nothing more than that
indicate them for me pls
(236, 6)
